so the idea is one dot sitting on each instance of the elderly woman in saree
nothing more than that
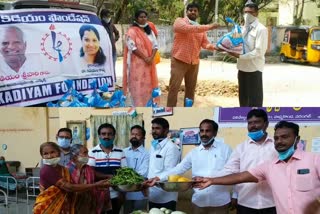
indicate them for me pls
(56, 187)
(89, 202)
(139, 68)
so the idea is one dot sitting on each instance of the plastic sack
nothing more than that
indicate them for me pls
(157, 57)
(232, 41)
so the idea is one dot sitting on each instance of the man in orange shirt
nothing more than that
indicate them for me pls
(189, 38)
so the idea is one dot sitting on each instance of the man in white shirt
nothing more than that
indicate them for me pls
(138, 159)
(106, 159)
(253, 198)
(208, 159)
(251, 63)
(13, 48)
(164, 155)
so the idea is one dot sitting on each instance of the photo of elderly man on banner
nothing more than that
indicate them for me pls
(41, 50)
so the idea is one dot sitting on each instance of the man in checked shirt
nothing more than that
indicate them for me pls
(189, 38)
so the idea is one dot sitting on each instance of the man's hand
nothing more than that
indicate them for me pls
(233, 54)
(202, 183)
(214, 26)
(151, 182)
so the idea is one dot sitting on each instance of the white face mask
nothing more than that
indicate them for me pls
(52, 161)
(107, 19)
(142, 26)
(248, 18)
(83, 160)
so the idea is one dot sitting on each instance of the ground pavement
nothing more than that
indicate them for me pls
(285, 84)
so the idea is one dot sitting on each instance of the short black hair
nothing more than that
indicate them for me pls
(214, 125)
(289, 125)
(65, 130)
(161, 121)
(138, 12)
(104, 13)
(143, 131)
(106, 126)
(252, 5)
(258, 113)
(193, 5)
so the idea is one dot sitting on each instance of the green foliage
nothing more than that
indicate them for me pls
(166, 11)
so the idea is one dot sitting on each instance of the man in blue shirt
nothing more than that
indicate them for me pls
(138, 159)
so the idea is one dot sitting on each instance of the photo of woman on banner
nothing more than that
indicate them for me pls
(91, 52)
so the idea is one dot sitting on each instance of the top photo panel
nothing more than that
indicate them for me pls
(72, 53)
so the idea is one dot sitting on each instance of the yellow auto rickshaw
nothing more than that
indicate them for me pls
(301, 44)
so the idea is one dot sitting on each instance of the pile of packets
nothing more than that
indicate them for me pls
(73, 98)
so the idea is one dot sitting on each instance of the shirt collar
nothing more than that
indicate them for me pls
(138, 149)
(296, 155)
(214, 145)
(267, 140)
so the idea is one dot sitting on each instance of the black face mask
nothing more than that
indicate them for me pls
(135, 142)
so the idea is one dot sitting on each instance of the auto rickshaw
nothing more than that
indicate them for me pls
(301, 44)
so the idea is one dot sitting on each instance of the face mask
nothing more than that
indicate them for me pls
(256, 135)
(142, 26)
(2, 162)
(248, 18)
(106, 143)
(288, 153)
(64, 142)
(107, 19)
(207, 143)
(155, 142)
(52, 161)
(83, 160)
(135, 143)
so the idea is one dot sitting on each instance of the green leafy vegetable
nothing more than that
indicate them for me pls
(126, 175)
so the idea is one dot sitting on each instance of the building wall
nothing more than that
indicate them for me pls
(24, 129)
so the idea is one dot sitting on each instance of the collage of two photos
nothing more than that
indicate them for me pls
(181, 107)
(90, 160)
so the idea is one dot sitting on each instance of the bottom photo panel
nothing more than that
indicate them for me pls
(160, 160)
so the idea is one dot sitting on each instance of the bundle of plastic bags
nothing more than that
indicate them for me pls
(232, 41)
(73, 98)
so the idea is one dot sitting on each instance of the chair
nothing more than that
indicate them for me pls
(32, 187)
(9, 183)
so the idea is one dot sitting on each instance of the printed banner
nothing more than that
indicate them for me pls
(275, 114)
(40, 48)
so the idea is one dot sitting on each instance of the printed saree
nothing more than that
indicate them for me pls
(53, 200)
(139, 78)
(88, 202)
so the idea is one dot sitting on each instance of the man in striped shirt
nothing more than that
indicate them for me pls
(106, 159)
(189, 38)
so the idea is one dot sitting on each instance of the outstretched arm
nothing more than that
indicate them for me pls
(237, 178)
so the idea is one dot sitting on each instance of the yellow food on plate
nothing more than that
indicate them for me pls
(173, 178)
(183, 179)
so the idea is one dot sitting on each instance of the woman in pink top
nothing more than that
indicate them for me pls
(139, 68)
(294, 176)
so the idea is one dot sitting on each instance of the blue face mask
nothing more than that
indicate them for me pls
(155, 143)
(106, 143)
(64, 142)
(288, 153)
(2, 162)
(256, 135)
